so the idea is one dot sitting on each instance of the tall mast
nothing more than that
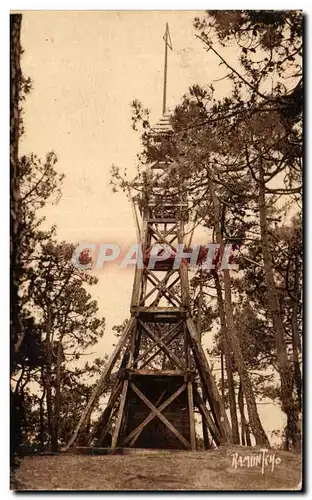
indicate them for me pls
(168, 43)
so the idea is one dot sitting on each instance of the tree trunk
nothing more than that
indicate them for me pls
(222, 375)
(248, 440)
(228, 361)
(296, 344)
(57, 406)
(17, 331)
(234, 342)
(85, 432)
(41, 410)
(245, 434)
(242, 414)
(199, 331)
(48, 384)
(284, 368)
(255, 422)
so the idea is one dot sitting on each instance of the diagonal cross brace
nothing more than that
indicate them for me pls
(161, 344)
(137, 431)
(161, 238)
(159, 415)
(161, 286)
(170, 338)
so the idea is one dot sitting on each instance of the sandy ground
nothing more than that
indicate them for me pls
(221, 469)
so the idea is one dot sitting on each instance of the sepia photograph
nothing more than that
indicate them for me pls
(156, 255)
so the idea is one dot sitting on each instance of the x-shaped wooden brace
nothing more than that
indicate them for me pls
(160, 292)
(137, 431)
(175, 330)
(161, 238)
(163, 286)
(161, 344)
(156, 412)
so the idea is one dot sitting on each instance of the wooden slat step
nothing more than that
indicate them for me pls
(160, 314)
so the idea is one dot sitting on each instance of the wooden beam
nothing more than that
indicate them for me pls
(135, 216)
(157, 230)
(139, 272)
(159, 293)
(161, 310)
(158, 220)
(166, 233)
(168, 337)
(136, 289)
(170, 232)
(161, 344)
(120, 414)
(138, 432)
(103, 432)
(160, 286)
(132, 347)
(101, 383)
(165, 286)
(160, 416)
(217, 405)
(160, 314)
(207, 417)
(183, 270)
(205, 434)
(191, 415)
(137, 343)
(102, 421)
(161, 238)
(162, 373)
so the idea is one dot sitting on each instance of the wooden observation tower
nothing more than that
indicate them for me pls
(164, 374)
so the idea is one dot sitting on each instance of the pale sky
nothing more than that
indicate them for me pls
(86, 68)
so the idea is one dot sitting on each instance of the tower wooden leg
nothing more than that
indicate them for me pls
(205, 433)
(191, 415)
(120, 414)
(98, 390)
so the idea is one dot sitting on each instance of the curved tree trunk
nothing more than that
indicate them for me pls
(17, 332)
(234, 342)
(199, 331)
(228, 361)
(284, 367)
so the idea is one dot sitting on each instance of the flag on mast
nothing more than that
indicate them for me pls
(167, 37)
